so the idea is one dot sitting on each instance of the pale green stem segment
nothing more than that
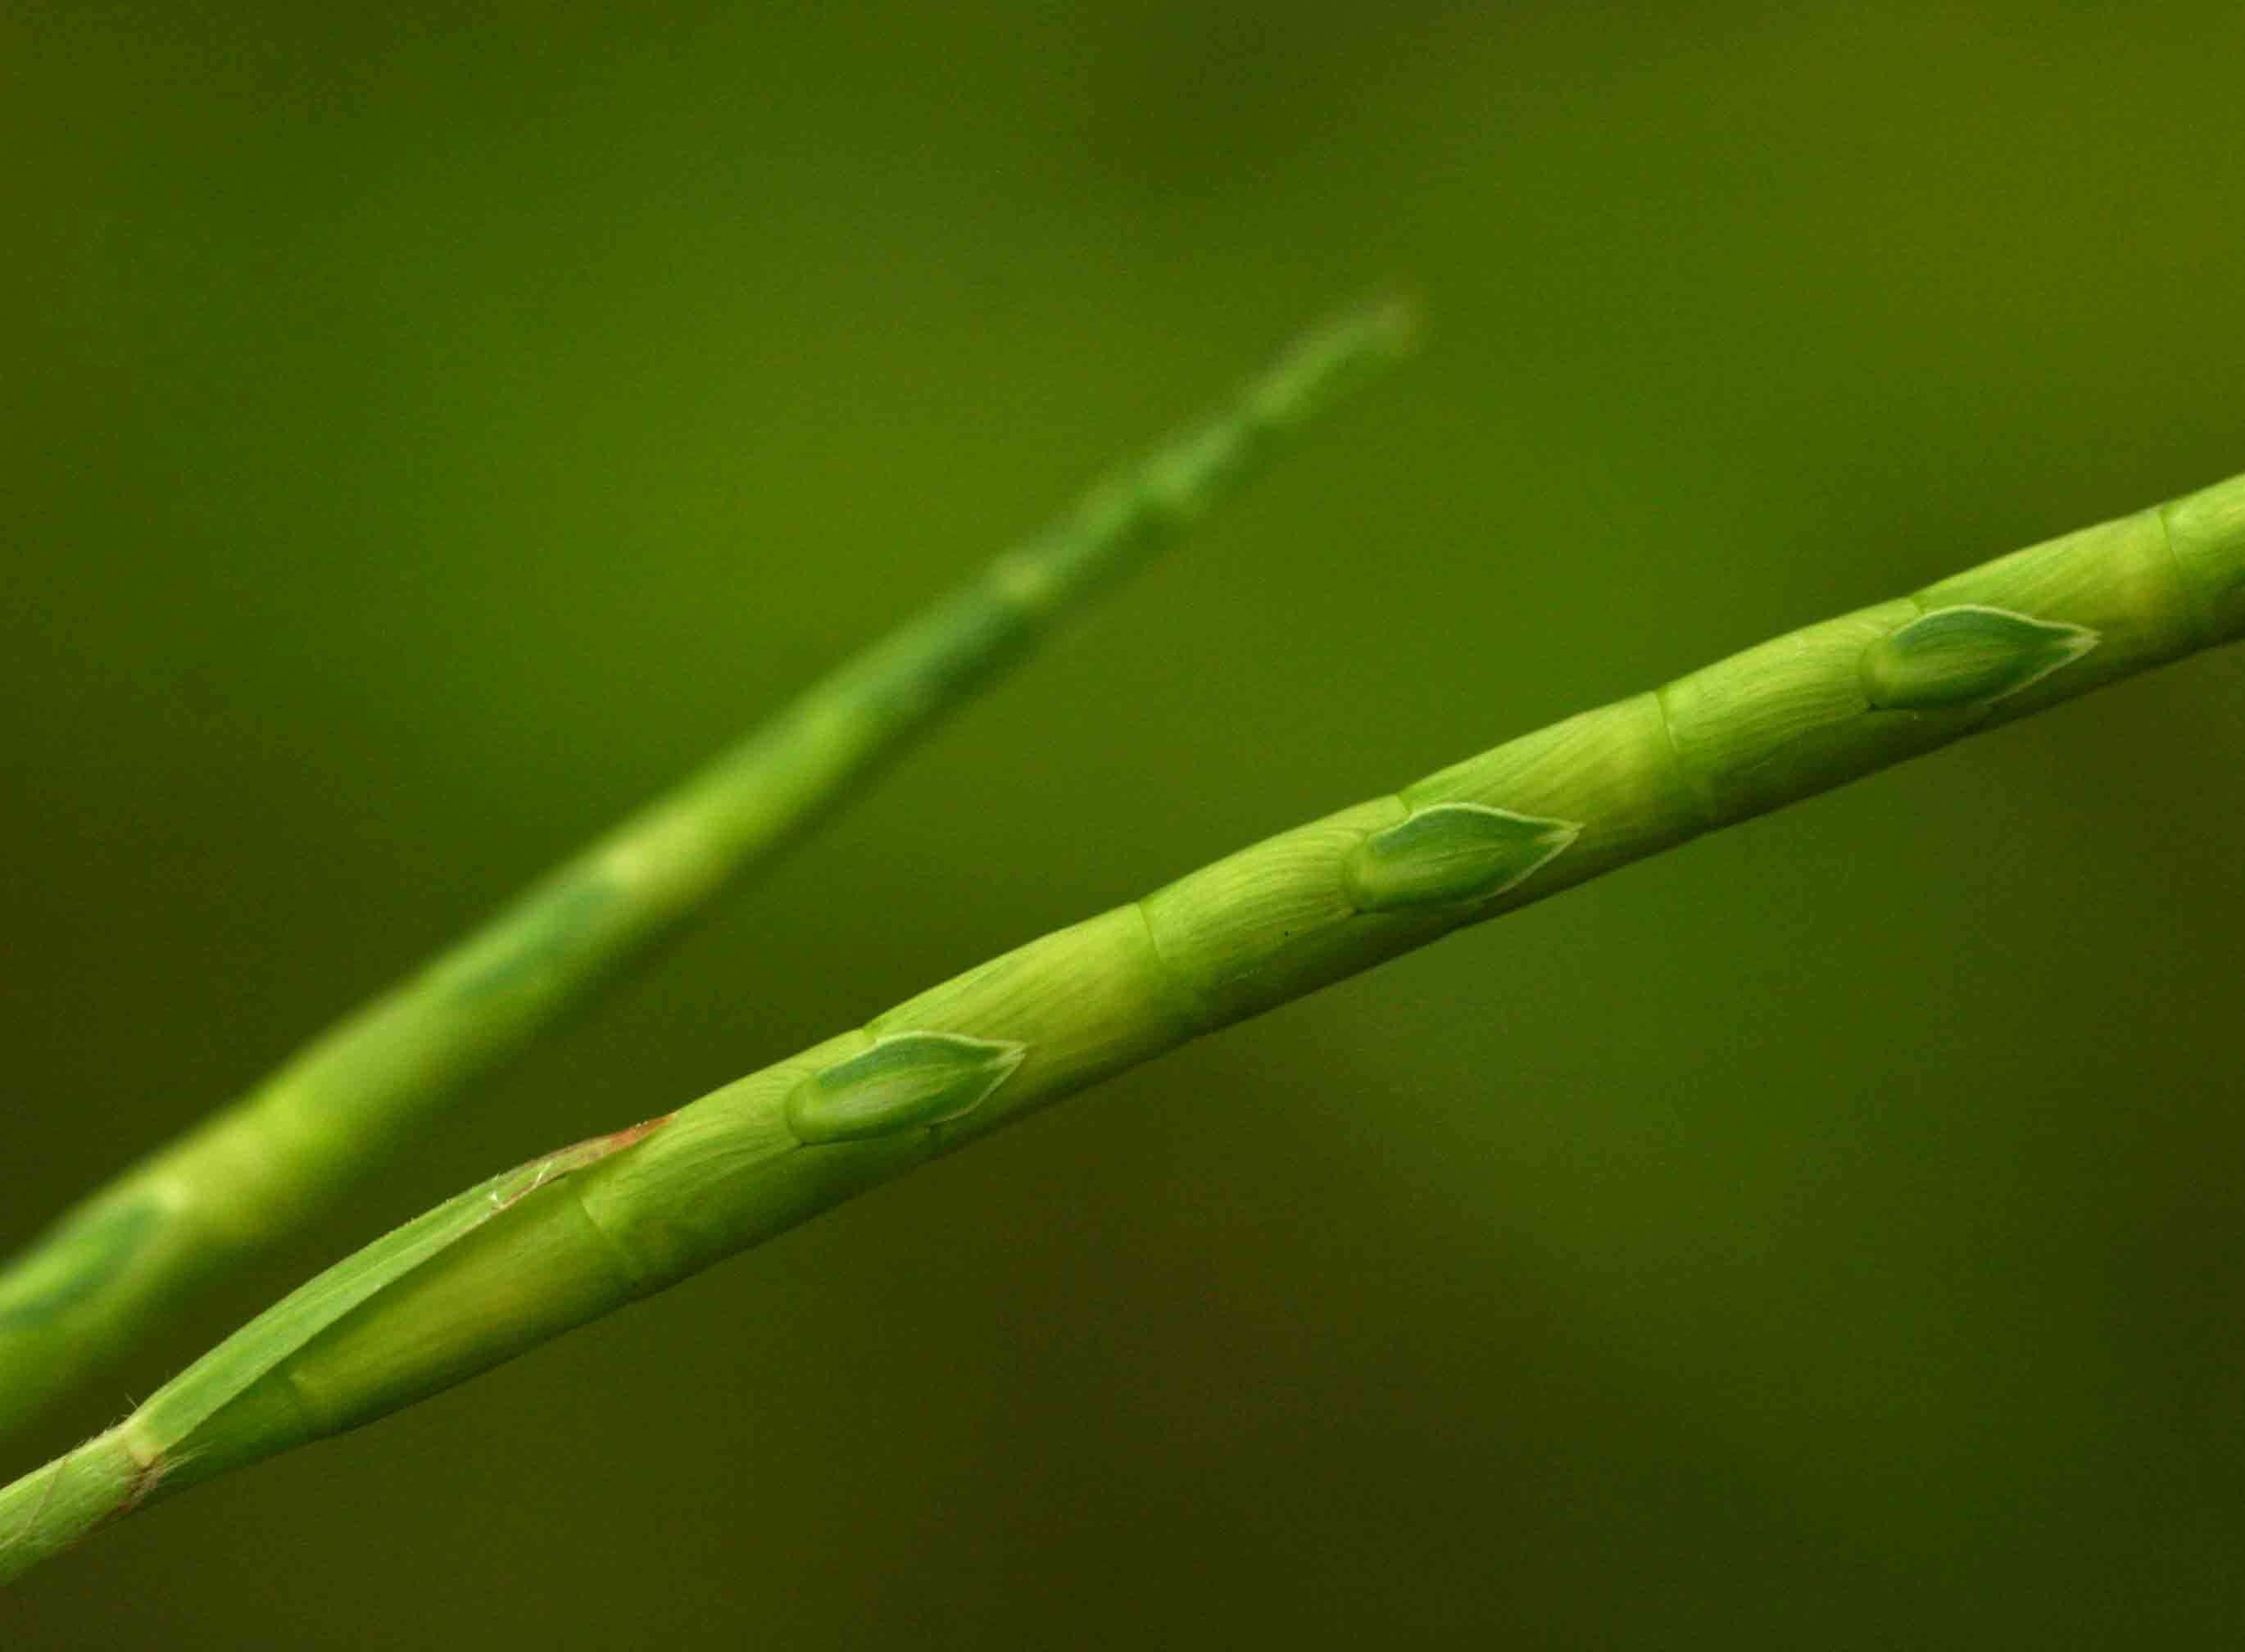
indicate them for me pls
(562, 1240)
(108, 1271)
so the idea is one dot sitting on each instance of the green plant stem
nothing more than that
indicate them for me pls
(575, 1235)
(111, 1270)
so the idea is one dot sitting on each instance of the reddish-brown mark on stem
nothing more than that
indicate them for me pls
(145, 1478)
(554, 1165)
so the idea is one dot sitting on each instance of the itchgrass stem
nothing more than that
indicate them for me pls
(111, 1270)
(580, 1232)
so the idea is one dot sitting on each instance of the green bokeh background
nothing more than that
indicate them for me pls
(429, 429)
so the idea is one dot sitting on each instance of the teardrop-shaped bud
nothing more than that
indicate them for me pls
(1449, 853)
(1966, 656)
(906, 1081)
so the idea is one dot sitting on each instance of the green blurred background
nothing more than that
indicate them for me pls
(428, 431)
